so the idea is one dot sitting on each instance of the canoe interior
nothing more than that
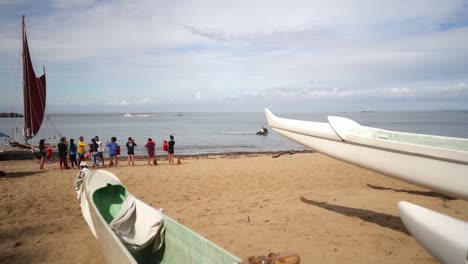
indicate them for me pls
(418, 139)
(181, 245)
(109, 200)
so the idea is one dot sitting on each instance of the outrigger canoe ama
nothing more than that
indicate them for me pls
(102, 198)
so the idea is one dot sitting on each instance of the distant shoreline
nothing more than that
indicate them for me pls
(11, 114)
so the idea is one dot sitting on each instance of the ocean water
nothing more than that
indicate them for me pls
(200, 133)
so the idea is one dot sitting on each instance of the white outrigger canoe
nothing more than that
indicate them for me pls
(434, 162)
(130, 231)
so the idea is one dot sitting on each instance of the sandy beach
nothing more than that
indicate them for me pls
(325, 210)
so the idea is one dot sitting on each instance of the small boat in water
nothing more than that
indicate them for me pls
(434, 162)
(130, 231)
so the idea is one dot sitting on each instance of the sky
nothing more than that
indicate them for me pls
(239, 56)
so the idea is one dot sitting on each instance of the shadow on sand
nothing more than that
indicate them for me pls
(423, 193)
(7, 174)
(381, 219)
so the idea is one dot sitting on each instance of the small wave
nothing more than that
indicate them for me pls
(237, 133)
(216, 147)
(128, 115)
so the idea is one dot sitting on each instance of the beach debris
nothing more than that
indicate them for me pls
(273, 258)
(282, 153)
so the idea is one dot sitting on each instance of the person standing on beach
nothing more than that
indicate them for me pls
(81, 150)
(93, 147)
(72, 152)
(150, 148)
(100, 150)
(170, 149)
(62, 150)
(42, 152)
(113, 147)
(66, 154)
(131, 151)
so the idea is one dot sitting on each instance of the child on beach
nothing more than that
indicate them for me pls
(81, 150)
(131, 151)
(100, 150)
(113, 147)
(150, 148)
(93, 147)
(42, 150)
(62, 150)
(72, 152)
(170, 149)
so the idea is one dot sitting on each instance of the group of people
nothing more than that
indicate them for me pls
(68, 151)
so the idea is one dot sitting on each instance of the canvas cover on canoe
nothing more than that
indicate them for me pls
(124, 225)
(136, 224)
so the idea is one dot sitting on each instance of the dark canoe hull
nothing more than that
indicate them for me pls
(17, 155)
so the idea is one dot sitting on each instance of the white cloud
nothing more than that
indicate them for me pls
(145, 101)
(245, 96)
(124, 103)
(244, 48)
(70, 3)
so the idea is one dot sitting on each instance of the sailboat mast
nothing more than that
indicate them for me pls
(25, 88)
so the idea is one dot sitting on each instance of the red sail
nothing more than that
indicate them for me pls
(34, 92)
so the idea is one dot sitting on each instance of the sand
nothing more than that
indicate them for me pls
(325, 210)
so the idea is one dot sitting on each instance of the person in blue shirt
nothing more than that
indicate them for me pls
(113, 151)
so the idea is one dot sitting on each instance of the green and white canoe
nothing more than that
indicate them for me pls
(102, 197)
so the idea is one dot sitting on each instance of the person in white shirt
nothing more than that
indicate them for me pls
(100, 150)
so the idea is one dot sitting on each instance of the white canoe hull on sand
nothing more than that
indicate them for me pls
(436, 168)
(114, 250)
(431, 165)
(446, 238)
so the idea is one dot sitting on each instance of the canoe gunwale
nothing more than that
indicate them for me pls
(336, 133)
(377, 147)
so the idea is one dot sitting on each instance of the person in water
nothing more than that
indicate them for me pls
(72, 153)
(262, 130)
(150, 148)
(170, 149)
(100, 150)
(81, 150)
(113, 151)
(62, 150)
(42, 152)
(131, 151)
